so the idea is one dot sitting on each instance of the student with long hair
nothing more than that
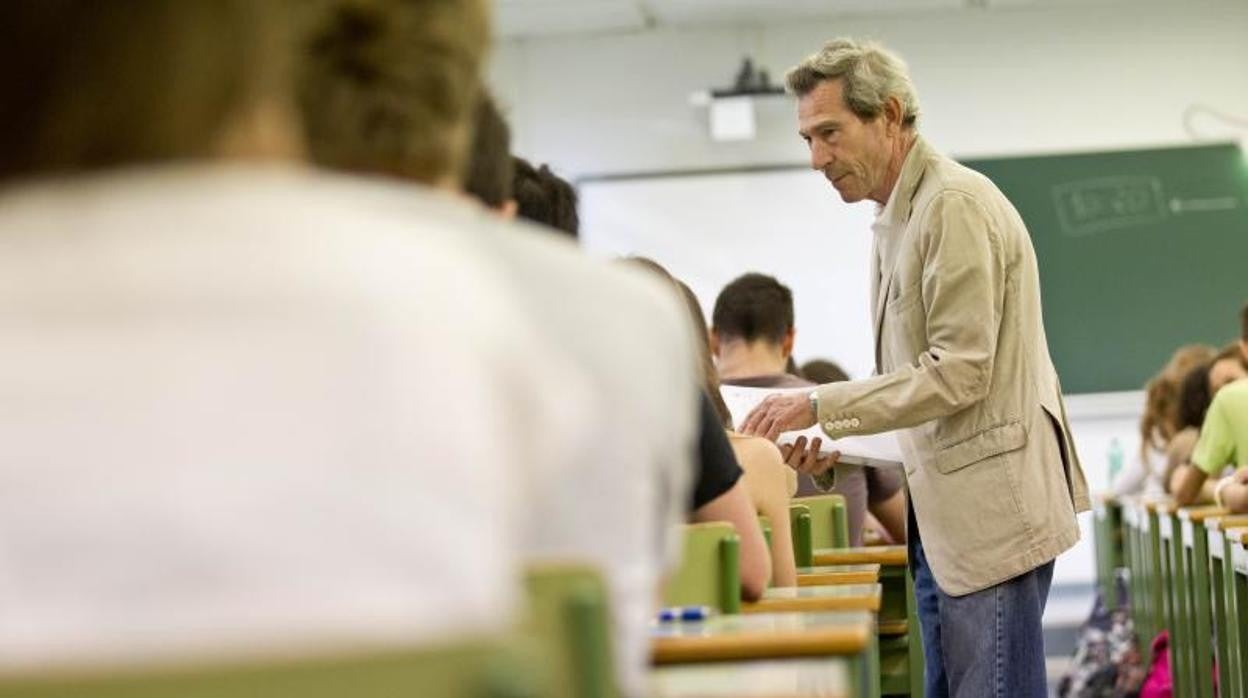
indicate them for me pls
(1160, 422)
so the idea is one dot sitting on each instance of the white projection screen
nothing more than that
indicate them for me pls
(709, 228)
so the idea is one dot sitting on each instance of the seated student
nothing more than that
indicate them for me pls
(770, 482)
(1194, 399)
(722, 491)
(1219, 432)
(722, 485)
(1224, 442)
(752, 337)
(617, 489)
(543, 197)
(1148, 472)
(231, 393)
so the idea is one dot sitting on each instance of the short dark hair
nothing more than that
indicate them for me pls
(1243, 322)
(490, 167)
(107, 83)
(543, 197)
(754, 306)
(823, 371)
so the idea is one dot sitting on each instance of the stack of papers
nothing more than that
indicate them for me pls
(873, 450)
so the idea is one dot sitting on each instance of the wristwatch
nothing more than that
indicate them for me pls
(814, 403)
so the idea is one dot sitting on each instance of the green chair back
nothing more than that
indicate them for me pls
(829, 521)
(803, 535)
(1174, 593)
(490, 668)
(1109, 547)
(709, 573)
(1217, 548)
(764, 524)
(1194, 567)
(568, 614)
(1135, 528)
(1236, 571)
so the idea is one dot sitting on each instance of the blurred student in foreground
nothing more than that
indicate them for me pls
(373, 79)
(719, 489)
(232, 393)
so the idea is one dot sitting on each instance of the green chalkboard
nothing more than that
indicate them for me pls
(1140, 251)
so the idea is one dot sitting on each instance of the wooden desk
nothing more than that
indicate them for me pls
(825, 677)
(836, 597)
(824, 575)
(762, 636)
(886, 555)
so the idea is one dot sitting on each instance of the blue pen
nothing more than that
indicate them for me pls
(685, 613)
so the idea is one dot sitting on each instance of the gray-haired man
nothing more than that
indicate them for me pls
(963, 371)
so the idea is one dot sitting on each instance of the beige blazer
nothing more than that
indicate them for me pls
(963, 371)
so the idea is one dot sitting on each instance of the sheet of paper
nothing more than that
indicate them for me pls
(872, 450)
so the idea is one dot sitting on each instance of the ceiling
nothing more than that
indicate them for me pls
(526, 18)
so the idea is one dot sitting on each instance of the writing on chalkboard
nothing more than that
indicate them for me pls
(1089, 206)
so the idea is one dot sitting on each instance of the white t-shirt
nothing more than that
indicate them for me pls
(239, 414)
(619, 495)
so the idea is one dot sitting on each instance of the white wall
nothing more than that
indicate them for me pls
(1053, 78)
(1078, 76)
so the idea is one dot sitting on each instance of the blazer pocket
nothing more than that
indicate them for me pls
(992, 441)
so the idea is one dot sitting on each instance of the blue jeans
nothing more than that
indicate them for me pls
(985, 644)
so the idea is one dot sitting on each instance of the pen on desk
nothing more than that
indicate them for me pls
(685, 613)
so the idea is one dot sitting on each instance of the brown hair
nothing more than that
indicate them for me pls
(823, 371)
(490, 168)
(544, 197)
(100, 84)
(388, 86)
(1243, 323)
(1159, 423)
(710, 377)
(754, 307)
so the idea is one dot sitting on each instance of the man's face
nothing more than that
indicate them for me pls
(852, 154)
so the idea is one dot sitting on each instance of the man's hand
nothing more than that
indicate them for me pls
(807, 460)
(778, 414)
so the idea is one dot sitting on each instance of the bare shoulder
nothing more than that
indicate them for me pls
(755, 450)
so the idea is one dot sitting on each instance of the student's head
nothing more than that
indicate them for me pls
(388, 87)
(1195, 396)
(756, 311)
(490, 165)
(1204, 381)
(697, 321)
(823, 371)
(102, 84)
(543, 197)
(1229, 365)
(1159, 423)
(856, 106)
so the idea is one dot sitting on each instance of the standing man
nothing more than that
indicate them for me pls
(963, 372)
